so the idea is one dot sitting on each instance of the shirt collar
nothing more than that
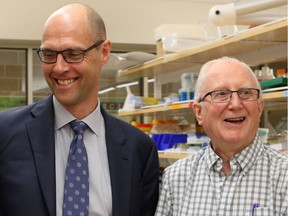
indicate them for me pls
(210, 157)
(62, 117)
(246, 158)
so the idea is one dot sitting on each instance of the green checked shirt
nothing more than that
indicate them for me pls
(195, 186)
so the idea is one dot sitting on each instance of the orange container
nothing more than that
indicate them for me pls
(145, 127)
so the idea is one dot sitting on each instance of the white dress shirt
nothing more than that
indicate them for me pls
(100, 197)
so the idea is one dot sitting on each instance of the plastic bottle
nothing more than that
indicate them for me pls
(187, 86)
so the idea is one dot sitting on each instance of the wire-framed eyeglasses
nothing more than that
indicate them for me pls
(70, 55)
(222, 96)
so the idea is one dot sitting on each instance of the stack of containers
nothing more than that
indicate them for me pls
(166, 134)
(186, 92)
(265, 73)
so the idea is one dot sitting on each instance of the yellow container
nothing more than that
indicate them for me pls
(149, 101)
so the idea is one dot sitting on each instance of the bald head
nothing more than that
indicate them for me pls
(81, 14)
(203, 74)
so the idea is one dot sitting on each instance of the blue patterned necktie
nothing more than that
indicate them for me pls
(76, 190)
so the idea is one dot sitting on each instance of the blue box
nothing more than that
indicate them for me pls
(166, 141)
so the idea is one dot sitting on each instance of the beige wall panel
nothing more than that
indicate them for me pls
(128, 21)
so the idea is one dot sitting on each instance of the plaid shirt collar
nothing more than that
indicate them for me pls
(245, 159)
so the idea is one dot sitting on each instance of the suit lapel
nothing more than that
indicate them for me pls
(120, 165)
(41, 135)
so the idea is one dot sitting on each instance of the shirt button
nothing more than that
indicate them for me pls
(220, 184)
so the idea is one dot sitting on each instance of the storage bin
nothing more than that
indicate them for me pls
(166, 141)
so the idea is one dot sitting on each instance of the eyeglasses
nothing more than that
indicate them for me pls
(70, 55)
(222, 96)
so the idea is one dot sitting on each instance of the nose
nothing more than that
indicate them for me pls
(61, 64)
(235, 101)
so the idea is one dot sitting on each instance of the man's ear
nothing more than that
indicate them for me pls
(197, 107)
(260, 107)
(105, 51)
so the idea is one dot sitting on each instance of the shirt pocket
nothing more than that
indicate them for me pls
(265, 211)
(262, 211)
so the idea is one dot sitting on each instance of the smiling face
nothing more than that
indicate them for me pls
(75, 85)
(232, 126)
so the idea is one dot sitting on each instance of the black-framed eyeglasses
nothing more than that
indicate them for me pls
(70, 55)
(222, 96)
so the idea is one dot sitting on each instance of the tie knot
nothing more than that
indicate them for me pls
(78, 127)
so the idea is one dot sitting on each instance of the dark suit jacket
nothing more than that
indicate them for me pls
(27, 164)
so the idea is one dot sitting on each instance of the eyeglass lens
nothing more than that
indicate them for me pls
(225, 95)
(70, 55)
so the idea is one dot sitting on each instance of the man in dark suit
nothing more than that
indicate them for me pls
(35, 139)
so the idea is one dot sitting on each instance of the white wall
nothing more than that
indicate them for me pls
(127, 21)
